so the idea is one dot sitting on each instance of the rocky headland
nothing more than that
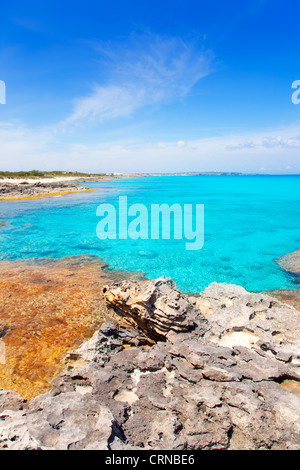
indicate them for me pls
(15, 188)
(29, 190)
(166, 370)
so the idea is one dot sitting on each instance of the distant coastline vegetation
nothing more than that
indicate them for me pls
(73, 174)
(44, 174)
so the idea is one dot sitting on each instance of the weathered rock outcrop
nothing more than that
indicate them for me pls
(155, 308)
(28, 190)
(290, 262)
(216, 371)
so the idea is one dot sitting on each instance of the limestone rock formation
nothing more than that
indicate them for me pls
(154, 307)
(27, 190)
(216, 371)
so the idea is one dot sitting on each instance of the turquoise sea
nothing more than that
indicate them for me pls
(249, 221)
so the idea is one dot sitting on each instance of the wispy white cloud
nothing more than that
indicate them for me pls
(289, 139)
(150, 69)
(108, 102)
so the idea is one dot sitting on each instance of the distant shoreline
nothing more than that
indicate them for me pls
(64, 176)
(35, 184)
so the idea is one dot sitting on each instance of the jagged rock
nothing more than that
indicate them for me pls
(154, 307)
(98, 348)
(194, 388)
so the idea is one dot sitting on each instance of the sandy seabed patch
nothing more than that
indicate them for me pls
(47, 309)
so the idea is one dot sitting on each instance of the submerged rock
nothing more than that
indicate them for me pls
(290, 262)
(218, 371)
(287, 296)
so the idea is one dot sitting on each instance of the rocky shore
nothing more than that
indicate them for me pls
(220, 370)
(35, 187)
(26, 190)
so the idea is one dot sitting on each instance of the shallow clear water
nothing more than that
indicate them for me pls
(249, 221)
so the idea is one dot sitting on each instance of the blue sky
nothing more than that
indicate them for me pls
(160, 86)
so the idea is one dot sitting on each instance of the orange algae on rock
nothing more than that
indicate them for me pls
(47, 308)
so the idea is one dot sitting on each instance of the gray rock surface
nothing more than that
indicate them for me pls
(13, 190)
(290, 262)
(219, 371)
